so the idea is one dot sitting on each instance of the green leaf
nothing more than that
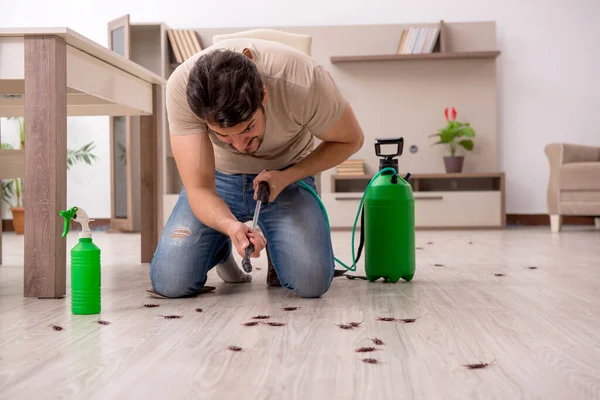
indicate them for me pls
(467, 144)
(467, 131)
(447, 137)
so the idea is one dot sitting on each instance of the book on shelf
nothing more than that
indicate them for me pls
(418, 40)
(351, 167)
(184, 43)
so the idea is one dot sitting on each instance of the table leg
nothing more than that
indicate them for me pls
(151, 176)
(45, 165)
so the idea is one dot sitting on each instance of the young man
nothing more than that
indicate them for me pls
(241, 112)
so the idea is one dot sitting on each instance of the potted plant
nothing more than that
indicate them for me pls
(13, 189)
(453, 135)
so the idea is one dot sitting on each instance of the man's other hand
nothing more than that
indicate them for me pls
(242, 235)
(277, 180)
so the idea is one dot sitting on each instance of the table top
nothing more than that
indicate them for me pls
(90, 47)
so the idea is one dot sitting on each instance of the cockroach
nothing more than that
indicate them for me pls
(370, 360)
(532, 267)
(275, 323)
(418, 248)
(199, 310)
(344, 326)
(365, 349)
(439, 265)
(172, 316)
(498, 274)
(478, 365)
(151, 305)
(261, 317)
(470, 242)
(355, 324)
(235, 348)
(406, 320)
(387, 319)
(378, 341)
(251, 323)
(56, 327)
(429, 242)
(290, 308)
(102, 322)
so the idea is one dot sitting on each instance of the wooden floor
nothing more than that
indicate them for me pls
(541, 326)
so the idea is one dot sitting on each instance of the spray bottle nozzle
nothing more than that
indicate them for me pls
(78, 215)
(68, 215)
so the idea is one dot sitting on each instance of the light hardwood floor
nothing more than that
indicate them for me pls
(541, 326)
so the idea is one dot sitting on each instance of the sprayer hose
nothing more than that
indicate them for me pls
(360, 206)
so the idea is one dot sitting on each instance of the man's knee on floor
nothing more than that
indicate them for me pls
(313, 285)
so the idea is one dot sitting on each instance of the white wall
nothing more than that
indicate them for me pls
(548, 75)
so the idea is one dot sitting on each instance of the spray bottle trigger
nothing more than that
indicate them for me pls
(67, 215)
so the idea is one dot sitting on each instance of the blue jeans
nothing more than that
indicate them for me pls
(298, 240)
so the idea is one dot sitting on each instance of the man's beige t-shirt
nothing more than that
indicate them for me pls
(302, 101)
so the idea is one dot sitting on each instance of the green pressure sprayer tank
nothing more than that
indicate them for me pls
(389, 220)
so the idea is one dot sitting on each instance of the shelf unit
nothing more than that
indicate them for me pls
(440, 52)
(146, 44)
(461, 200)
(466, 55)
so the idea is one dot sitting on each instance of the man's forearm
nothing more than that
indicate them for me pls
(210, 209)
(326, 155)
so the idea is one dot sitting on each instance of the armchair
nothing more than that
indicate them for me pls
(574, 182)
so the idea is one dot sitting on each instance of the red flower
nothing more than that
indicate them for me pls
(453, 114)
(446, 113)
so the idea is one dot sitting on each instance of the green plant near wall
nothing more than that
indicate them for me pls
(13, 189)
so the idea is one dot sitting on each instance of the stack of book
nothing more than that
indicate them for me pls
(351, 167)
(417, 40)
(184, 43)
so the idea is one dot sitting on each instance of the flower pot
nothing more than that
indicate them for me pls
(18, 214)
(454, 164)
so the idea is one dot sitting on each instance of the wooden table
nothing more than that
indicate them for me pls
(47, 74)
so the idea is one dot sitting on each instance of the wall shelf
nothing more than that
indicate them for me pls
(465, 55)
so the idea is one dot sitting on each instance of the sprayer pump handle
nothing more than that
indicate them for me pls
(399, 142)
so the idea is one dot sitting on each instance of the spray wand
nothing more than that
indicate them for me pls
(262, 196)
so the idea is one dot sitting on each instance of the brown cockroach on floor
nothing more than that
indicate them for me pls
(102, 322)
(370, 360)
(56, 327)
(498, 274)
(532, 267)
(439, 265)
(290, 308)
(478, 365)
(406, 320)
(261, 317)
(235, 348)
(344, 326)
(377, 341)
(199, 310)
(275, 323)
(355, 324)
(365, 349)
(171, 316)
(147, 305)
(251, 323)
(387, 319)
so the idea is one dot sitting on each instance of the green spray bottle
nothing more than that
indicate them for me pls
(389, 220)
(85, 265)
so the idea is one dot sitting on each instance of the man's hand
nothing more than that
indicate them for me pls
(277, 180)
(242, 235)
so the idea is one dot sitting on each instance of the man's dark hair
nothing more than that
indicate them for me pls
(224, 88)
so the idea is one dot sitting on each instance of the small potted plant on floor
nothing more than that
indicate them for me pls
(455, 134)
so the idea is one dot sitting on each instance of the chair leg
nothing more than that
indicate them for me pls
(555, 222)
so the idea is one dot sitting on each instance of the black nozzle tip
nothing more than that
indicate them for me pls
(247, 265)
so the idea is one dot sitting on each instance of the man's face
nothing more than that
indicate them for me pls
(245, 137)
